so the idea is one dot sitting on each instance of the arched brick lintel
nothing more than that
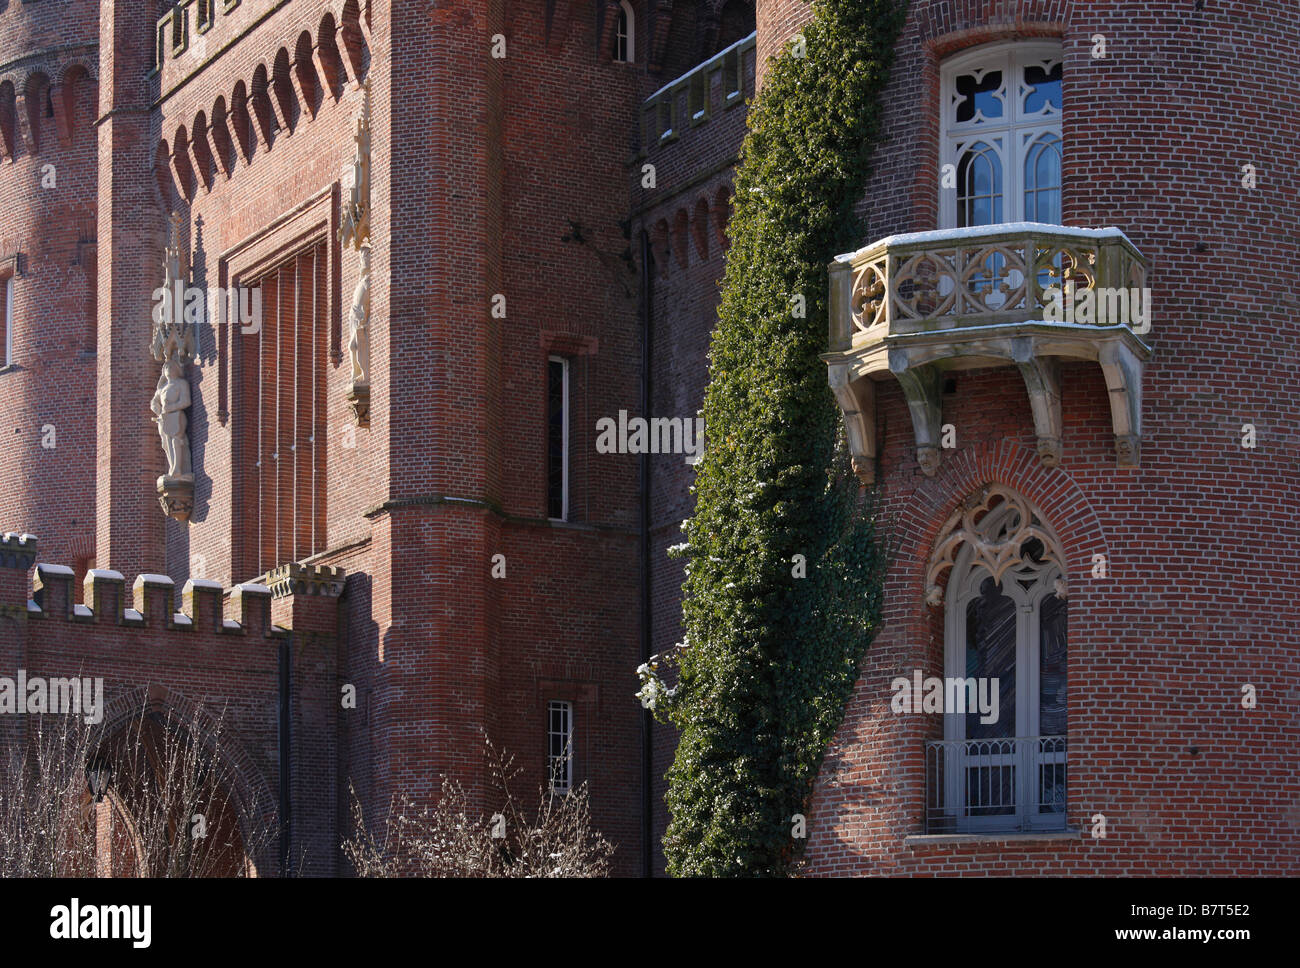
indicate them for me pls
(249, 792)
(1063, 504)
(947, 26)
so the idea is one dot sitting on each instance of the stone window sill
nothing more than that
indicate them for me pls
(1012, 836)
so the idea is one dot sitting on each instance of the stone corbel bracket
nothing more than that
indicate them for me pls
(919, 361)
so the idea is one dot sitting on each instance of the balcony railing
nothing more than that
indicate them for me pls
(995, 785)
(981, 276)
(1026, 294)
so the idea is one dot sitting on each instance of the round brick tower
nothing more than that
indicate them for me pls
(48, 197)
(1164, 473)
(776, 22)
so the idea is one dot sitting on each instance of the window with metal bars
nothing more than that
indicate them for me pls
(559, 745)
(281, 416)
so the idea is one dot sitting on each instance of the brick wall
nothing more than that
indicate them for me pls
(1193, 606)
(196, 651)
(48, 97)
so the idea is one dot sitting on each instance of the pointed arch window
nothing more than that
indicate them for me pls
(1005, 620)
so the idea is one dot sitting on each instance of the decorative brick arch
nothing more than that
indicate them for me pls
(947, 25)
(1053, 492)
(249, 793)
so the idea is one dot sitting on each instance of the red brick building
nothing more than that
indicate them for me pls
(525, 235)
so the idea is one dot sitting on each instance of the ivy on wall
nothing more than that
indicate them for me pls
(784, 572)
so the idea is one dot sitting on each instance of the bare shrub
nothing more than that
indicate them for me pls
(453, 840)
(160, 807)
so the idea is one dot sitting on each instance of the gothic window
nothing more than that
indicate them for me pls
(1001, 135)
(625, 34)
(1005, 630)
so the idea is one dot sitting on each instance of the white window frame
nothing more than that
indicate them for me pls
(9, 319)
(559, 770)
(1016, 130)
(963, 586)
(564, 452)
(625, 34)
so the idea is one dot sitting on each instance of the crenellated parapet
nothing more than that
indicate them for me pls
(151, 603)
(304, 593)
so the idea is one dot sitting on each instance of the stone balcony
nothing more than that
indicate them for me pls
(1025, 294)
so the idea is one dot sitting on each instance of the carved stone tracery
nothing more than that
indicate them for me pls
(916, 306)
(1001, 549)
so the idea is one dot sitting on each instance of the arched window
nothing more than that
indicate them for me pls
(1001, 764)
(625, 34)
(1001, 135)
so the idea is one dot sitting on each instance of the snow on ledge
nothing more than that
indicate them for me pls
(252, 586)
(1010, 228)
(55, 570)
(105, 573)
(180, 618)
(21, 538)
(131, 615)
(151, 579)
(204, 583)
(229, 623)
(82, 611)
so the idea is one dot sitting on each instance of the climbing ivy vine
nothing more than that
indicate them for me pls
(784, 570)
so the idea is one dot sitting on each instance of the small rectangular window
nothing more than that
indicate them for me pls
(7, 312)
(559, 745)
(557, 439)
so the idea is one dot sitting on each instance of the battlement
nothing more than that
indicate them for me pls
(722, 82)
(152, 602)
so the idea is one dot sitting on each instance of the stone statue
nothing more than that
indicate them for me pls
(173, 346)
(359, 318)
(354, 231)
(170, 402)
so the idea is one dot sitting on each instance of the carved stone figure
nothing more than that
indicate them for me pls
(170, 402)
(359, 319)
(173, 346)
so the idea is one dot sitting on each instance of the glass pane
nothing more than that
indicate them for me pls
(979, 186)
(1043, 180)
(978, 97)
(1043, 90)
(1051, 667)
(991, 653)
(555, 440)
